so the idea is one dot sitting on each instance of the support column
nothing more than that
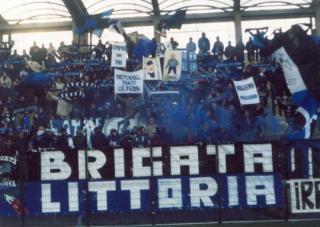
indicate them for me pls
(156, 18)
(238, 27)
(82, 40)
(1, 40)
(237, 21)
(156, 21)
(317, 15)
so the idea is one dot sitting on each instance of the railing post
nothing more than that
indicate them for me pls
(219, 183)
(152, 187)
(87, 195)
(285, 158)
(21, 159)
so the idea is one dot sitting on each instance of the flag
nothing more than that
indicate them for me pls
(258, 38)
(97, 32)
(298, 56)
(304, 53)
(116, 26)
(16, 205)
(175, 20)
(106, 13)
(38, 79)
(34, 66)
(306, 115)
(97, 23)
(171, 21)
(144, 47)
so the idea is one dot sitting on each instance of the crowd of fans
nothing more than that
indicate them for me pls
(77, 83)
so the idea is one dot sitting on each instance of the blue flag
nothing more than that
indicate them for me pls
(38, 79)
(144, 47)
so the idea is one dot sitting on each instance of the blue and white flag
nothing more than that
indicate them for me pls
(297, 55)
(247, 91)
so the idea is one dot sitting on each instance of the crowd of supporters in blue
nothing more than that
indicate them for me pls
(79, 85)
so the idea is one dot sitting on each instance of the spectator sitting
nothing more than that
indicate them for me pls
(130, 103)
(141, 139)
(62, 140)
(269, 125)
(41, 118)
(5, 116)
(42, 139)
(150, 128)
(5, 81)
(98, 139)
(80, 141)
(113, 139)
(248, 128)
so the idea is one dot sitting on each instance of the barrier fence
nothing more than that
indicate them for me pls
(158, 185)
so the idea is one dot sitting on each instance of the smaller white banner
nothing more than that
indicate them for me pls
(128, 82)
(152, 69)
(247, 91)
(290, 70)
(304, 195)
(172, 65)
(119, 55)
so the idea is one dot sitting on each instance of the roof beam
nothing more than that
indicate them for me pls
(2, 20)
(76, 8)
(315, 3)
(156, 9)
(191, 18)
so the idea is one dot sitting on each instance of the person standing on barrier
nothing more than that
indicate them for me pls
(204, 44)
(191, 46)
(218, 48)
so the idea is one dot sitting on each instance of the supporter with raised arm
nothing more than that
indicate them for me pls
(173, 43)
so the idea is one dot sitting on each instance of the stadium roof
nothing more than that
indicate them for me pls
(26, 11)
(140, 12)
